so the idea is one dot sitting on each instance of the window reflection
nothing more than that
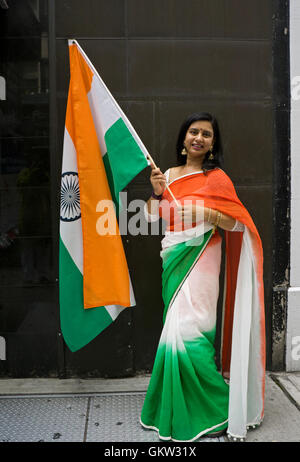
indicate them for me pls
(25, 224)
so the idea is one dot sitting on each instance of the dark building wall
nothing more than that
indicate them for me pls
(27, 302)
(281, 183)
(161, 60)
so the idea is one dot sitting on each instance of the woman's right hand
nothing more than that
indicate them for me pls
(158, 180)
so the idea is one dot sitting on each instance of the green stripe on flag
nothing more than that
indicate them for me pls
(79, 325)
(110, 178)
(125, 158)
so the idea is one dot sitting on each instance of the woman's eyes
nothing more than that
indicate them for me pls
(205, 134)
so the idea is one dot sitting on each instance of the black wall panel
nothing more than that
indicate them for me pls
(28, 303)
(225, 19)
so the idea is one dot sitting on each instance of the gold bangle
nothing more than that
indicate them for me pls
(209, 214)
(218, 219)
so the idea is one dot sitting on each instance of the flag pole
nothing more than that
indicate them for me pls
(155, 166)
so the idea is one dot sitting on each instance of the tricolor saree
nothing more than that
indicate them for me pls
(187, 396)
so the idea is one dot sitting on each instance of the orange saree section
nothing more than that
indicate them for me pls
(233, 250)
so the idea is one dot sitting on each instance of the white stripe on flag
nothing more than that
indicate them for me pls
(71, 232)
(103, 115)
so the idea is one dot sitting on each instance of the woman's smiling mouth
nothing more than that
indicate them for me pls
(198, 146)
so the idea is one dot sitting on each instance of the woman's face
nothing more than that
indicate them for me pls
(199, 138)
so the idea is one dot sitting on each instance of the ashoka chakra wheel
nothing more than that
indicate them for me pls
(69, 197)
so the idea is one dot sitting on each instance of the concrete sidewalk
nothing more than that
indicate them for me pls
(108, 410)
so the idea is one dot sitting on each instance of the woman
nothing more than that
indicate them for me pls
(187, 397)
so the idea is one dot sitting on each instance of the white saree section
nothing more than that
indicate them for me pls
(246, 371)
(193, 309)
(176, 237)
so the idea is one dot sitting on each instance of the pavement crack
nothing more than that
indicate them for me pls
(87, 419)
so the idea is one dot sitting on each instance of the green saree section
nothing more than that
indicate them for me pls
(178, 261)
(187, 397)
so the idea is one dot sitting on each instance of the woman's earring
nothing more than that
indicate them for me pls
(211, 156)
(184, 152)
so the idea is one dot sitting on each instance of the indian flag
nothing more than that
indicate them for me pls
(101, 155)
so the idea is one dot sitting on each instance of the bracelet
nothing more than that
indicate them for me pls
(216, 223)
(157, 197)
(209, 214)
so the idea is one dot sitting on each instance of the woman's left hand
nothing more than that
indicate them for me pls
(191, 213)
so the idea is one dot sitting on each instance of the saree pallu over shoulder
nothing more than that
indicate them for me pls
(243, 326)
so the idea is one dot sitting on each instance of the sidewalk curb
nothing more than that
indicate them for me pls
(288, 387)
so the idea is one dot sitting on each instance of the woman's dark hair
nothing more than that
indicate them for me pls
(208, 164)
